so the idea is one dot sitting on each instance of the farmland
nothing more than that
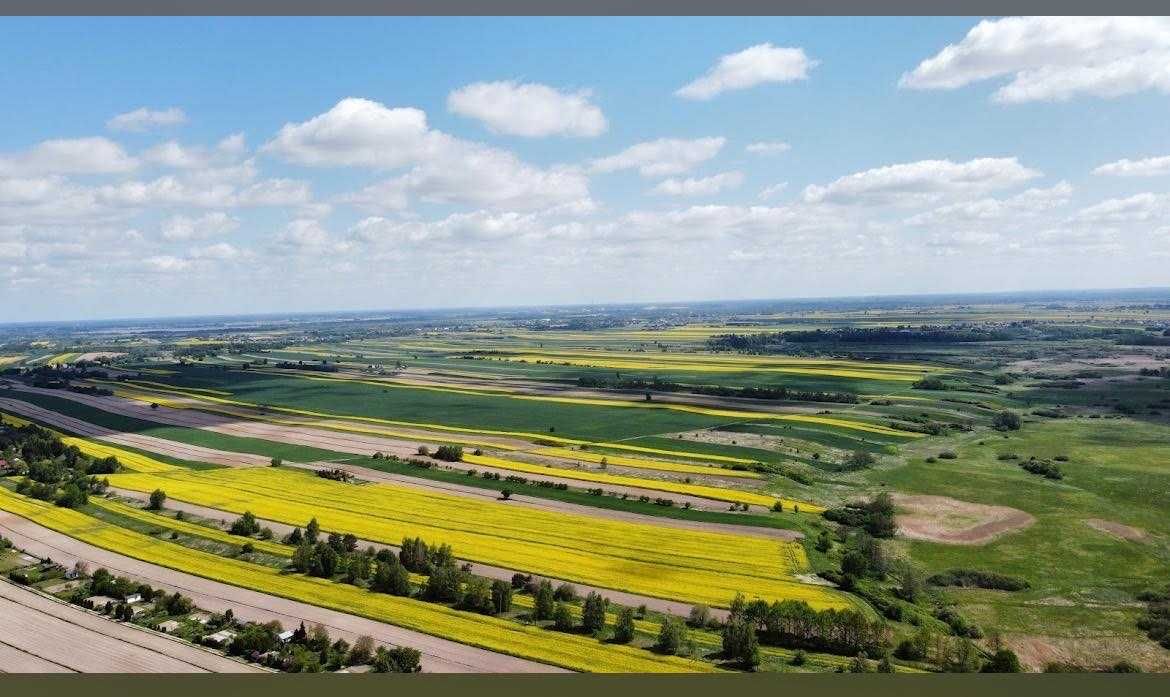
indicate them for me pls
(682, 463)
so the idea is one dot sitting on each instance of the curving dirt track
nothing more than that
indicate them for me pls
(45, 635)
(439, 655)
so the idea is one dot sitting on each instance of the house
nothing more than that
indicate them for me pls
(363, 668)
(221, 638)
(99, 602)
(286, 636)
(169, 626)
(133, 598)
(200, 617)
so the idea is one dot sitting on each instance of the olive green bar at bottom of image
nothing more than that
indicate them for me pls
(729, 685)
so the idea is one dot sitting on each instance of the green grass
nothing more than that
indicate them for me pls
(1083, 580)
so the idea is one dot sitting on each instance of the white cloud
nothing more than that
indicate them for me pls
(706, 186)
(162, 263)
(1147, 167)
(184, 191)
(445, 169)
(661, 157)
(1026, 203)
(1138, 208)
(531, 109)
(356, 132)
(768, 148)
(145, 119)
(770, 191)
(221, 251)
(1054, 58)
(752, 66)
(921, 182)
(181, 227)
(95, 155)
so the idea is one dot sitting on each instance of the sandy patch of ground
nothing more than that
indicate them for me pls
(943, 519)
(1118, 530)
(1092, 652)
(761, 441)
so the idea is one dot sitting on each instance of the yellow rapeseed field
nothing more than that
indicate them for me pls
(687, 565)
(131, 460)
(706, 492)
(644, 463)
(571, 651)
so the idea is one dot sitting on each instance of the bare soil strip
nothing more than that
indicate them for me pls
(13, 660)
(439, 655)
(1118, 530)
(87, 643)
(947, 520)
(281, 529)
(153, 444)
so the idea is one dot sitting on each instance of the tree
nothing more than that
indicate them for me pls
(741, 644)
(157, 498)
(859, 663)
(501, 596)
(623, 629)
(1006, 421)
(444, 584)
(400, 659)
(392, 578)
(563, 618)
(245, 525)
(885, 665)
(672, 635)
(277, 462)
(566, 592)
(910, 581)
(312, 530)
(362, 651)
(1003, 661)
(477, 596)
(544, 604)
(700, 615)
(593, 613)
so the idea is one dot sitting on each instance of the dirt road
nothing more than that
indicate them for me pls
(37, 631)
(439, 655)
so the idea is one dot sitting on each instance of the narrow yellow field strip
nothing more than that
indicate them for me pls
(644, 463)
(131, 460)
(189, 528)
(699, 490)
(571, 651)
(687, 565)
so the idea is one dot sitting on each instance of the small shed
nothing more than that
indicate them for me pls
(221, 638)
(99, 602)
(169, 626)
(286, 636)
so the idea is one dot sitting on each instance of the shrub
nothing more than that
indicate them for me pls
(623, 630)
(1006, 421)
(157, 498)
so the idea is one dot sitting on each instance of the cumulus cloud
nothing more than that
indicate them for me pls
(661, 157)
(530, 109)
(221, 251)
(145, 119)
(164, 263)
(444, 169)
(770, 191)
(768, 148)
(1147, 167)
(705, 186)
(919, 182)
(95, 155)
(181, 227)
(1024, 204)
(1143, 207)
(1054, 58)
(757, 65)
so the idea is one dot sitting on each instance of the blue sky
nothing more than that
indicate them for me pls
(534, 161)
